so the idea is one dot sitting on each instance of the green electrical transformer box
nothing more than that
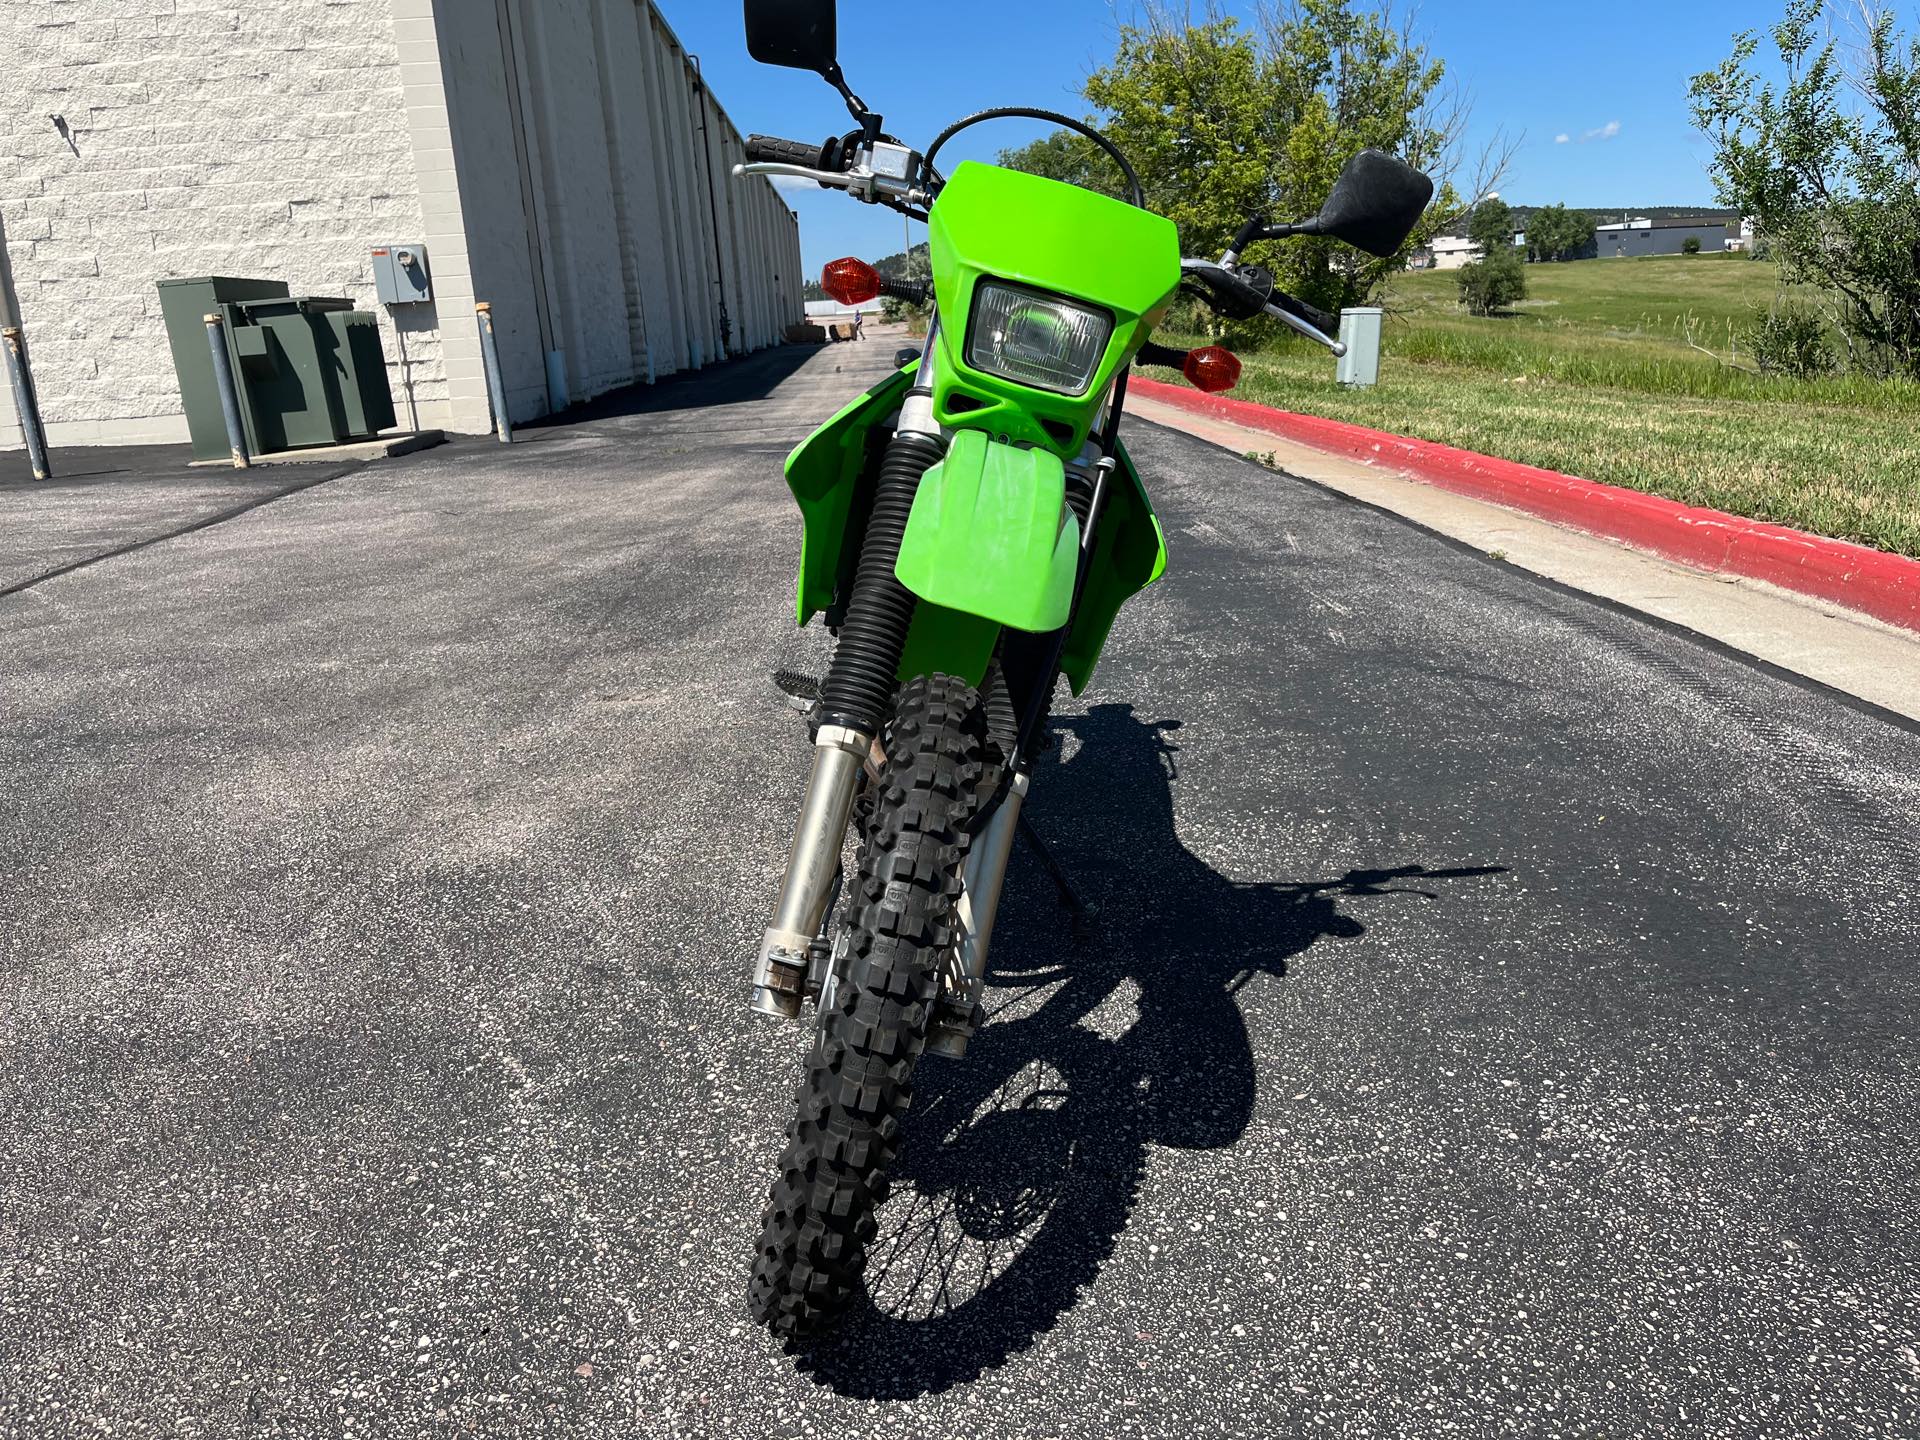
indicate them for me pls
(309, 369)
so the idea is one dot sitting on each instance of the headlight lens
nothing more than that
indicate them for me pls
(1035, 338)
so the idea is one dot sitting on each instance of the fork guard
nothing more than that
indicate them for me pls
(991, 535)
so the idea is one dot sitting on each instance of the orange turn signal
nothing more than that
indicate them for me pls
(1211, 369)
(850, 281)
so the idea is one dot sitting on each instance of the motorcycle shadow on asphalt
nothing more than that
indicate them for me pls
(1022, 1161)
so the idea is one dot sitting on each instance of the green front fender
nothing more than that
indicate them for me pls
(990, 535)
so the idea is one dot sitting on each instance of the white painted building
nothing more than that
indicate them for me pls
(1450, 252)
(558, 158)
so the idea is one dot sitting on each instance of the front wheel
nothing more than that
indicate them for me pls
(902, 922)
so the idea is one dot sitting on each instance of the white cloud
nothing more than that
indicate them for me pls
(1605, 132)
(793, 182)
(1561, 139)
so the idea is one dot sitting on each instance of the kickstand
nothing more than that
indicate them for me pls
(1084, 915)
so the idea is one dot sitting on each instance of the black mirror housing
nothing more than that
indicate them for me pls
(1375, 203)
(799, 34)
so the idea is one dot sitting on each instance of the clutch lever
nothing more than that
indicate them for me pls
(1312, 333)
(1243, 300)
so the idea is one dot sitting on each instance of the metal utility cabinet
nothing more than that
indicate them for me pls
(1360, 332)
(400, 275)
(309, 369)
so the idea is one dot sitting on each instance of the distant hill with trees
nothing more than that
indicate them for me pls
(1659, 214)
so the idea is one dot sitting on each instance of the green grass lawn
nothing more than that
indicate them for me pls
(1596, 374)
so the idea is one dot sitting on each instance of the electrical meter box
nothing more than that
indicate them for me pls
(400, 274)
(1360, 331)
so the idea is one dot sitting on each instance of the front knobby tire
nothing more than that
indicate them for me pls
(902, 920)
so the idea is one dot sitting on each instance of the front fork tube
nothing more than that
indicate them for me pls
(780, 972)
(981, 883)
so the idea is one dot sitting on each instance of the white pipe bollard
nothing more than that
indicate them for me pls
(1360, 333)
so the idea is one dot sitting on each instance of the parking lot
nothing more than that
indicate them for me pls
(1499, 1016)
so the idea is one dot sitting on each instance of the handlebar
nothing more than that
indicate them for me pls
(878, 172)
(1235, 294)
(884, 172)
(771, 149)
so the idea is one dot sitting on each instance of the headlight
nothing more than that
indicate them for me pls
(1037, 339)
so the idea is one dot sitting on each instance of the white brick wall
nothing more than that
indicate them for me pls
(616, 266)
(547, 152)
(213, 137)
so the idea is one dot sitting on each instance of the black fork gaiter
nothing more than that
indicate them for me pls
(858, 691)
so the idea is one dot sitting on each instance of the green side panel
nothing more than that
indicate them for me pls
(947, 642)
(823, 472)
(285, 390)
(360, 372)
(990, 534)
(990, 223)
(1129, 554)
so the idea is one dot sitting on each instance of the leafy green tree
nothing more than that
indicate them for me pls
(1499, 277)
(1224, 122)
(1070, 158)
(1825, 159)
(1490, 286)
(1194, 109)
(1490, 226)
(1556, 233)
(1578, 235)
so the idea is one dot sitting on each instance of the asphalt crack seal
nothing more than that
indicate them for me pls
(232, 512)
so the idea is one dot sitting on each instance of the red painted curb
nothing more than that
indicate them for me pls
(1874, 582)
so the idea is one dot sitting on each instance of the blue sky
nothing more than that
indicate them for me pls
(1611, 78)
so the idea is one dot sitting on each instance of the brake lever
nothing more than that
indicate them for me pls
(828, 178)
(862, 184)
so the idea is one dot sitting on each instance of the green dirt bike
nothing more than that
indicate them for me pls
(972, 527)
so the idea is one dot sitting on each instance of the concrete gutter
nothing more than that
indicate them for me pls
(1873, 582)
(1851, 653)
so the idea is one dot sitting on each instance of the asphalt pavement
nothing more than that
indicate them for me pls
(1497, 1017)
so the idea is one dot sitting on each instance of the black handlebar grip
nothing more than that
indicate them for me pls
(1312, 314)
(1232, 294)
(761, 148)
